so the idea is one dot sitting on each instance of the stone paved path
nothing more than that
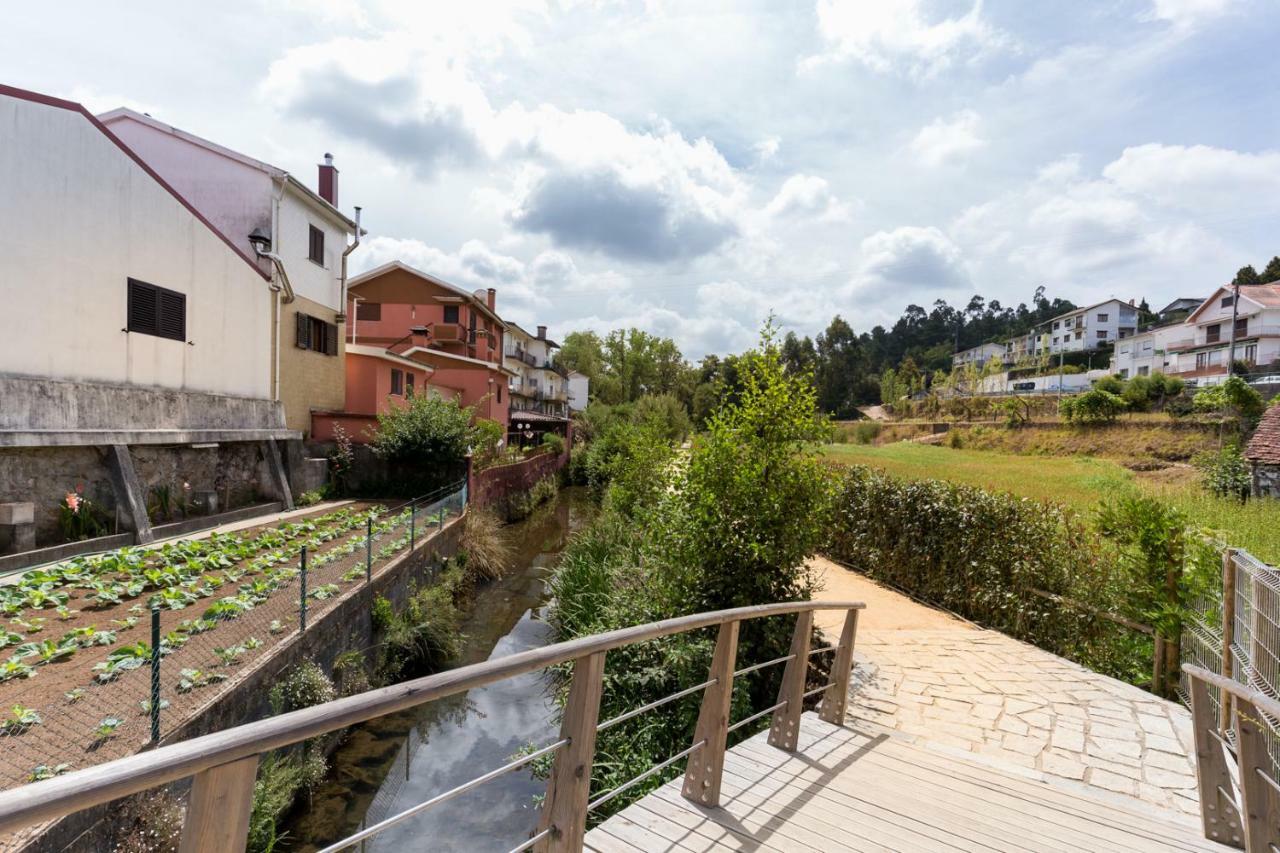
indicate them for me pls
(979, 691)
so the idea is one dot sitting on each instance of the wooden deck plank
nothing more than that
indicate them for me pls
(859, 790)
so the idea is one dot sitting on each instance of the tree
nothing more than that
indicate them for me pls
(1272, 271)
(583, 352)
(1246, 275)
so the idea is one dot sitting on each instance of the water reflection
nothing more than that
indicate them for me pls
(396, 762)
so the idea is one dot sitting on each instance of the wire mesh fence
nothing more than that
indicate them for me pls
(107, 654)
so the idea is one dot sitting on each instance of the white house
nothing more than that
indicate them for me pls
(579, 391)
(978, 356)
(1090, 328)
(1205, 340)
(535, 385)
(1148, 352)
(133, 320)
(296, 235)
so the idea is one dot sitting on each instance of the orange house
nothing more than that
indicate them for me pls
(411, 333)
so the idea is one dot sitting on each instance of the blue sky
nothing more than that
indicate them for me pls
(691, 167)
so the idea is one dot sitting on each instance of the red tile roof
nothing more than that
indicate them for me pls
(1264, 447)
(1267, 295)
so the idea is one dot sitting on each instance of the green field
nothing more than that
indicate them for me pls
(1075, 481)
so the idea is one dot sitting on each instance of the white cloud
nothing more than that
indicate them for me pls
(898, 36)
(909, 258)
(1186, 13)
(1196, 177)
(945, 139)
(766, 149)
(807, 197)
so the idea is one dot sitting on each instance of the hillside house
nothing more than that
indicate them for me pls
(1091, 328)
(1208, 335)
(1148, 352)
(141, 350)
(413, 333)
(294, 234)
(978, 356)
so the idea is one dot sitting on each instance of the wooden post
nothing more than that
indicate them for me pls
(785, 731)
(218, 809)
(837, 695)
(564, 811)
(1258, 800)
(1228, 634)
(1217, 812)
(705, 767)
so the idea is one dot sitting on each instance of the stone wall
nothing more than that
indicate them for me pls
(1266, 480)
(490, 485)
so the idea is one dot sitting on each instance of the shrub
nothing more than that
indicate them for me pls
(664, 413)
(305, 685)
(1092, 407)
(486, 441)
(1138, 393)
(382, 614)
(1111, 384)
(863, 432)
(280, 778)
(1226, 473)
(426, 441)
(488, 547)
(1234, 398)
(553, 442)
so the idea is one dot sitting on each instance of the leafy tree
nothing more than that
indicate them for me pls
(583, 352)
(1272, 271)
(426, 440)
(1092, 407)
(1233, 398)
(1247, 275)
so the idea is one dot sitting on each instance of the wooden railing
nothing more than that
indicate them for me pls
(1240, 809)
(223, 765)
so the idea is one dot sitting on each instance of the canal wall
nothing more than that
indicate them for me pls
(346, 626)
(490, 486)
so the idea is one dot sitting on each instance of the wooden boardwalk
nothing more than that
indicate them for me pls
(870, 789)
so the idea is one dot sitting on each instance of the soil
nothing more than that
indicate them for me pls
(66, 732)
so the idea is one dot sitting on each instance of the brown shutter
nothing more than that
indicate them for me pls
(144, 308)
(331, 339)
(304, 330)
(172, 321)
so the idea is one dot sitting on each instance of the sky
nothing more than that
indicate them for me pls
(690, 168)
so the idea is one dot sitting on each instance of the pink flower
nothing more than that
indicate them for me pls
(73, 501)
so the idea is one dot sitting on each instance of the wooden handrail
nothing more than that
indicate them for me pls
(1252, 695)
(202, 757)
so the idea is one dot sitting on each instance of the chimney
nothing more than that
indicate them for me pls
(491, 299)
(329, 180)
(1131, 302)
(542, 333)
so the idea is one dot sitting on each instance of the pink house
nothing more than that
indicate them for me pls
(411, 332)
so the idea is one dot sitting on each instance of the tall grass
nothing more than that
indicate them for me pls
(1078, 482)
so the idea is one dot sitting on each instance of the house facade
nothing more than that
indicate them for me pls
(579, 391)
(410, 333)
(1092, 327)
(1263, 454)
(1204, 346)
(978, 356)
(140, 346)
(1149, 351)
(295, 235)
(536, 384)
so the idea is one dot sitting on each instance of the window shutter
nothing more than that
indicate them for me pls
(143, 307)
(304, 330)
(331, 339)
(172, 322)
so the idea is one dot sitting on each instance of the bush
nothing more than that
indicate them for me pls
(427, 440)
(486, 441)
(488, 547)
(1226, 473)
(1234, 399)
(664, 413)
(305, 685)
(553, 442)
(1111, 384)
(862, 432)
(1138, 393)
(280, 778)
(1092, 407)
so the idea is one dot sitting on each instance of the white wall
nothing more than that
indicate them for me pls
(80, 217)
(293, 242)
(578, 391)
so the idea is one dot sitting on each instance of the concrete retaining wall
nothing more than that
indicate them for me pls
(490, 485)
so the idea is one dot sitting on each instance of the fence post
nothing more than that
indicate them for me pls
(837, 695)
(302, 599)
(1228, 634)
(155, 675)
(1218, 813)
(218, 808)
(564, 809)
(1259, 804)
(784, 733)
(413, 509)
(705, 767)
(368, 550)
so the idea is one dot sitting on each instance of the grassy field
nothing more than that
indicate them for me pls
(1077, 481)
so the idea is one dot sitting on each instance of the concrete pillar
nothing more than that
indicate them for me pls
(279, 478)
(130, 497)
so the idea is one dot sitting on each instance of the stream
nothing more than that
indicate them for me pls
(395, 762)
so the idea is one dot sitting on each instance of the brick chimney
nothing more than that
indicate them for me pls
(491, 299)
(329, 180)
(542, 333)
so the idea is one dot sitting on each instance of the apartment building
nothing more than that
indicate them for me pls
(293, 234)
(978, 356)
(1092, 327)
(1148, 351)
(536, 384)
(1203, 346)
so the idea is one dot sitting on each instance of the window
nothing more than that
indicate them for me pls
(1056, 326)
(1102, 334)
(1055, 340)
(315, 251)
(499, 393)
(316, 335)
(1242, 327)
(1202, 360)
(408, 384)
(1124, 373)
(1144, 371)
(157, 311)
(1228, 301)
(1079, 334)
(397, 381)
(451, 313)
(1251, 353)
(369, 311)
(1102, 318)
(1212, 334)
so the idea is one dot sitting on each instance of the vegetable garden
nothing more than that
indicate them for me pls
(76, 638)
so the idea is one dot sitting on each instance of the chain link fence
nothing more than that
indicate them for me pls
(157, 641)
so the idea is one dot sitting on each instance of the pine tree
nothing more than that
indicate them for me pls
(1272, 272)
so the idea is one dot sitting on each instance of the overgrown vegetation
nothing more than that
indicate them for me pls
(717, 526)
(425, 442)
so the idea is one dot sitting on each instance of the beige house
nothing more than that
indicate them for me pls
(297, 236)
